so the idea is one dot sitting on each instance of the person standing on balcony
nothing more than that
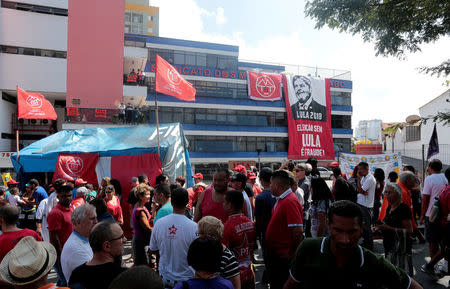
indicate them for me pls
(121, 107)
(129, 109)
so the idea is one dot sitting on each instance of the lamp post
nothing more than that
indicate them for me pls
(259, 159)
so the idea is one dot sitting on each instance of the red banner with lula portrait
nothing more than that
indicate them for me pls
(308, 107)
(72, 166)
(263, 86)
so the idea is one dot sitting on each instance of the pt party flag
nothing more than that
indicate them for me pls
(170, 82)
(33, 105)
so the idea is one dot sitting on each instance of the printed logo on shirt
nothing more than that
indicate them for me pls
(172, 232)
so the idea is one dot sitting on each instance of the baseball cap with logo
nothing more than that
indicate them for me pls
(12, 182)
(27, 262)
(251, 175)
(198, 176)
(80, 182)
(240, 169)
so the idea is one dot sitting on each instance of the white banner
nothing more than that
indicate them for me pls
(387, 162)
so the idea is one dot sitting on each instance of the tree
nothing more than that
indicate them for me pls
(395, 26)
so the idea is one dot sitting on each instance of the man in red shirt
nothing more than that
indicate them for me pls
(285, 230)
(195, 190)
(11, 235)
(60, 226)
(210, 202)
(240, 237)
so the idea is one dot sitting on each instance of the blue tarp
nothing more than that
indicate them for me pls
(41, 156)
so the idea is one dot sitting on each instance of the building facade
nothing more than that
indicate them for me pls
(223, 124)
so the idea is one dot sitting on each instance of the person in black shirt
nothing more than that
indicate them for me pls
(396, 228)
(106, 241)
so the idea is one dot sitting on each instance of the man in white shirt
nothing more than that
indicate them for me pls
(366, 185)
(76, 250)
(431, 188)
(44, 208)
(171, 238)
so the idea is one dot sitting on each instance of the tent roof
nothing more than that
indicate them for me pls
(41, 156)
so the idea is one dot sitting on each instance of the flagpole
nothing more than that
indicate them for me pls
(17, 124)
(157, 122)
(17, 143)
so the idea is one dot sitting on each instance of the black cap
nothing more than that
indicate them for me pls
(239, 177)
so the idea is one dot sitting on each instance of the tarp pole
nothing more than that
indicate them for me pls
(157, 125)
(17, 143)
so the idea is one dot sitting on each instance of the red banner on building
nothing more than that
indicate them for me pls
(100, 113)
(308, 107)
(72, 166)
(262, 86)
(72, 111)
(33, 105)
(170, 82)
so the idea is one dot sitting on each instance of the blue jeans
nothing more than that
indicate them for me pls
(61, 279)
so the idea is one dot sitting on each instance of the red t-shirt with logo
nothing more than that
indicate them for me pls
(240, 237)
(286, 213)
(8, 240)
(59, 220)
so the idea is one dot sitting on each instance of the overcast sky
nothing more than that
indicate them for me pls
(384, 88)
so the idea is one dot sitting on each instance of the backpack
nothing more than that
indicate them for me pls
(436, 210)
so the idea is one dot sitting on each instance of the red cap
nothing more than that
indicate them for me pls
(240, 169)
(198, 176)
(251, 175)
(12, 182)
(334, 164)
(80, 182)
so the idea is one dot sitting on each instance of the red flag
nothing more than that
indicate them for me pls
(262, 86)
(33, 105)
(170, 82)
(72, 166)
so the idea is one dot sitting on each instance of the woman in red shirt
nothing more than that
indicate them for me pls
(113, 204)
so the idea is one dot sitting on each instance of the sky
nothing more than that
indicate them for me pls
(385, 88)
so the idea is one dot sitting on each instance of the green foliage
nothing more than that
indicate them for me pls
(395, 26)
(443, 117)
(392, 129)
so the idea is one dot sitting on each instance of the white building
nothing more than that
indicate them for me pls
(412, 139)
(369, 130)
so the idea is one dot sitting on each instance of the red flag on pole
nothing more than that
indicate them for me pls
(33, 105)
(170, 82)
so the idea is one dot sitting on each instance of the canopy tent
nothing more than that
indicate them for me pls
(41, 156)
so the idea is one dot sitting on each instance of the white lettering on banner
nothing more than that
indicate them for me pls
(309, 127)
(312, 152)
(309, 141)
(311, 115)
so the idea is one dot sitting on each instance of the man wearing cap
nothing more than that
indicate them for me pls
(195, 190)
(11, 184)
(251, 179)
(37, 257)
(60, 226)
(10, 233)
(238, 182)
(76, 250)
(78, 184)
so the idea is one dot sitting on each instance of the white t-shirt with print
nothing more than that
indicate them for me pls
(368, 184)
(172, 236)
(432, 186)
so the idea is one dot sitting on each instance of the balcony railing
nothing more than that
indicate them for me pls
(133, 79)
(108, 116)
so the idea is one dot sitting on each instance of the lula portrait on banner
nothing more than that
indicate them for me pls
(305, 104)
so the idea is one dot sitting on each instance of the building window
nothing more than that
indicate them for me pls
(137, 18)
(127, 17)
(32, 51)
(412, 133)
(34, 8)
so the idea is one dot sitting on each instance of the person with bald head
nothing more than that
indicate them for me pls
(11, 235)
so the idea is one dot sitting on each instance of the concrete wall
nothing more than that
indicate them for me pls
(33, 30)
(34, 73)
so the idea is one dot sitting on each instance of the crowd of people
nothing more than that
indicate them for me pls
(311, 235)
